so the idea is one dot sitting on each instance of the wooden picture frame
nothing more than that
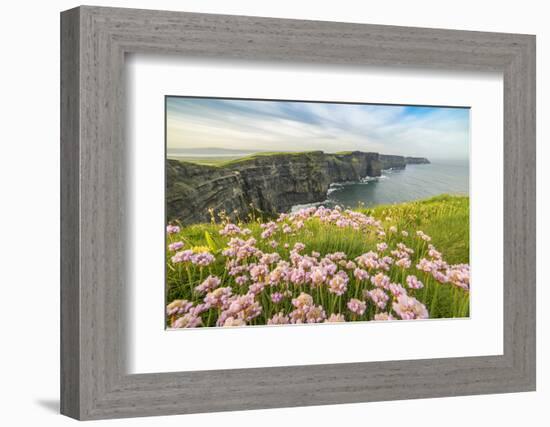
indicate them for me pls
(94, 41)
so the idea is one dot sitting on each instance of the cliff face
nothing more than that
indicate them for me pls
(193, 189)
(416, 160)
(399, 162)
(392, 162)
(268, 183)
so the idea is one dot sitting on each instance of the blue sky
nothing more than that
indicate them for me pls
(433, 132)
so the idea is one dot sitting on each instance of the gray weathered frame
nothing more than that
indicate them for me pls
(94, 41)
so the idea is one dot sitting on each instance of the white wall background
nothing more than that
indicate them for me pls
(29, 211)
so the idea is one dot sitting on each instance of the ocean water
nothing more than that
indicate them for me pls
(401, 185)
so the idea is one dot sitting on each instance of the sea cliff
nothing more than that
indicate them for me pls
(270, 183)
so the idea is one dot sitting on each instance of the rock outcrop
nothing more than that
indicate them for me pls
(392, 162)
(268, 183)
(417, 160)
(399, 162)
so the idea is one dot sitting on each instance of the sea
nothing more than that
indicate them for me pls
(400, 185)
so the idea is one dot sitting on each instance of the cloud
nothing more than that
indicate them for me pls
(435, 132)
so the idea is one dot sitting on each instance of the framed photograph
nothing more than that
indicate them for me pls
(319, 231)
(262, 213)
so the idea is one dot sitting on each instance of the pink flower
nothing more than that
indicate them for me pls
(276, 297)
(317, 276)
(208, 284)
(230, 230)
(404, 248)
(329, 266)
(297, 276)
(403, 262)
(380, 280)
(199, 309)
(378, 297)
(397, 290)
(338, 285)
(256, 288)
(303, 300)
(258, 271)
(307, 314)
(298, 247)
(383, 316)
(269, 259)
(269, 229)
(440, 276)
(368, 260)
(425, 265)
(350, 265)
(360, 274)
(234, 321)
(278, 274)
(408, 308)
(183, 256)
(241, 280)
(315, 314)
(187, 321)
(385, 262)
(178, 307)
(297, 316)
(172, 229)
(306, 262)
(335, 318)
(240, 249)
(175, 246)
(203, 259)
(356, 306)
(433, 252)
(459, 275)
(218, 297)
(381, 247)
(414, 283)
(336, 256)
(423, 236)
(243, 307)
(278, 319)
(306, 311)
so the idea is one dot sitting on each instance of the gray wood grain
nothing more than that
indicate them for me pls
(70, 291)
(94, 382)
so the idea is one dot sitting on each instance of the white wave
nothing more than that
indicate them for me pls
(296, 208)
(332, 189)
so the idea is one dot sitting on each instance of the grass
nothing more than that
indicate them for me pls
(444, 218)
(206, 161)
(235, 160)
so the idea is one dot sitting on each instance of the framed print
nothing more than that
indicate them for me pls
(286, 237)
(303, 212)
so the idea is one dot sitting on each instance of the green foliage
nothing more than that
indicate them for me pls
(444, 218)
(210, 242)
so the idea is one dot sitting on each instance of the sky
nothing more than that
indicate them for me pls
(250, 125)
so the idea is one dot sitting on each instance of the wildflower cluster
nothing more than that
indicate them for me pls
(286, 271)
